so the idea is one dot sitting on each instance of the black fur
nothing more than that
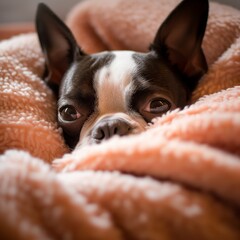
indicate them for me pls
(173, 66)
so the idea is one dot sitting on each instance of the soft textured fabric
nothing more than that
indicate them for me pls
(27, 106)
(177, 180)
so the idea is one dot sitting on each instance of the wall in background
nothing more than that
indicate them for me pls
(24, 10)
(234, 3)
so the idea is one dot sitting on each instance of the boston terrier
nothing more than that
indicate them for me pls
(119, 92)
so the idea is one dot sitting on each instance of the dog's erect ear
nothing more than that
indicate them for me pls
(58, 44)
(179, 38)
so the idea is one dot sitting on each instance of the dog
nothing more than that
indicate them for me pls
(119, 92)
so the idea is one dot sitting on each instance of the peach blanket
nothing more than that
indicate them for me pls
(177, 180)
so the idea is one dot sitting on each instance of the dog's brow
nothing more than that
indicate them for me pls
(112, 82)
(80, 97)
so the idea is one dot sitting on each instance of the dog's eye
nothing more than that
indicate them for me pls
(69, 113)
(158, 106)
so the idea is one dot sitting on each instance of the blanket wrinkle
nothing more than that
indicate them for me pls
(185, 165)
(87, 206)
(136, 27)
(222, 74)
(179, 179)
(73, 215)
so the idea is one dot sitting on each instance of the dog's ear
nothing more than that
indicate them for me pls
(58, 44)
(179, 38)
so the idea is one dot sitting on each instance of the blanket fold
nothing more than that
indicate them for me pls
(174, 151)
(177, 180)
(110, 25)
(104, 205)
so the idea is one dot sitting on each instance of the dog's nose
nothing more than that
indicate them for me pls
(107, 128)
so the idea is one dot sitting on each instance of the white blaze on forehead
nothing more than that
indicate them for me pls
(113, 83)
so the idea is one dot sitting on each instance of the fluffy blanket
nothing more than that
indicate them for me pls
(177, 180)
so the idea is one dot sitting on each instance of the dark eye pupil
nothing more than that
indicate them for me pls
(159, 106)
(156, 104)
(69, 114)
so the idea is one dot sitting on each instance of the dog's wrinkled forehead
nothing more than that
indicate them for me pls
(79, 79)
(107, 76)
(114, 83)
(109, 79)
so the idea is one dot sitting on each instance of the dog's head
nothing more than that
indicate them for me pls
(120, 92)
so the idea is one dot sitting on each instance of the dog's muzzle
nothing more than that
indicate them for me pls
(110, 126)
(101, 128)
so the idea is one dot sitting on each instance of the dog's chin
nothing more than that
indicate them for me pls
(86, 138)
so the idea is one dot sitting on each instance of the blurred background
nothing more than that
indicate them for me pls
(24, 10)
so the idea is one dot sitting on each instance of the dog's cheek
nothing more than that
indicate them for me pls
(71, 141)
(87, 126)
(140, 123)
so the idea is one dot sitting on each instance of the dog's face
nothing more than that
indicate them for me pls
(120, 92)
(115, 92)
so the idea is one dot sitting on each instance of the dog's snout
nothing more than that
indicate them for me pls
(106, 129)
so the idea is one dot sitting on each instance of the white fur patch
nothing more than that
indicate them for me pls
(113, 83)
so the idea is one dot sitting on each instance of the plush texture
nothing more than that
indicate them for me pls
(177, 180)
(27, 119)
